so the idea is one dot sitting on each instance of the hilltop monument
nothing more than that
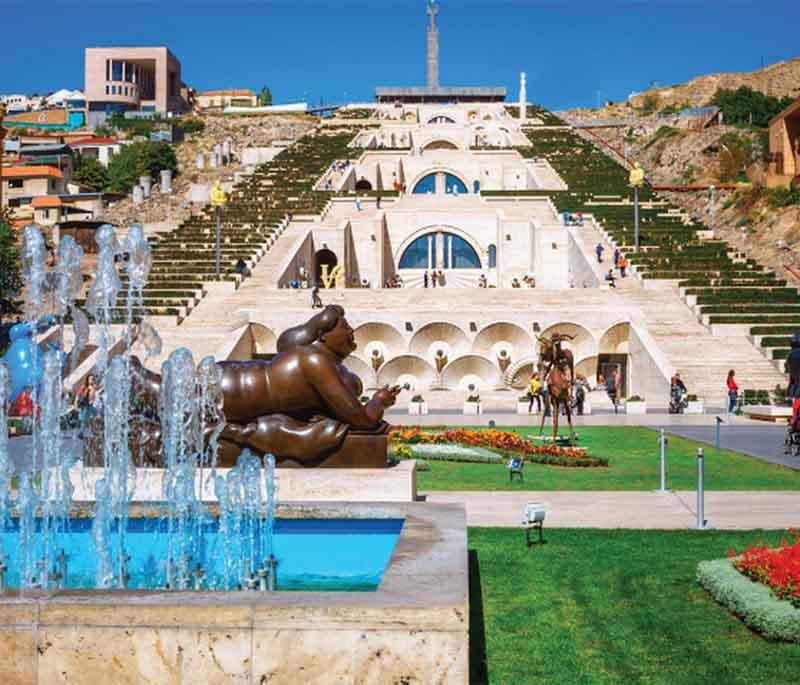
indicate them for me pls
(433, 46)
(432, 91)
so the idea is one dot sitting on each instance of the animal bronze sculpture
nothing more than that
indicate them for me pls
(555, 364)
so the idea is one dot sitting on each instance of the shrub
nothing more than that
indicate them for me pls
(191, 125)
(474, 398)
(748, 106)
(635, 398)
(10, 268)
(89, 173)
(139, 159)
(752, 602)
(783, 197)
(418, 399)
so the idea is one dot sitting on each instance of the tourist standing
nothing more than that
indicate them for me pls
(441, 278)
(580, 394)
(599, 252)
(425, 279)
(611, 388)
(534, 393)
(623, 264)
(616, 256)
(358, 203)
(316, 301)
(433, 278)
(733, 391)
(378, 202)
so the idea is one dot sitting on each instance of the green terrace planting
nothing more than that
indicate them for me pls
(729, 288)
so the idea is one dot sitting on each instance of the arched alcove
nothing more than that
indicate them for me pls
(459, 373)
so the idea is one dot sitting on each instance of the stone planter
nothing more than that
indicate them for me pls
(636, 407)
(418, 408)
(472, 408)
(694, 407)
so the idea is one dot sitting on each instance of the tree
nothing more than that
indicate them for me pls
(10, 268)
(90, 173)
(265, 99)
(140, 159)
(747, 106)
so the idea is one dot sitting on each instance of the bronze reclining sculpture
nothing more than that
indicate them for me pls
(303, 405)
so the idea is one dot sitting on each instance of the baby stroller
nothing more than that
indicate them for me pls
(792, 441)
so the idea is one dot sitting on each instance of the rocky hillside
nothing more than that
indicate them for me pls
(244, 131)
(779, 80)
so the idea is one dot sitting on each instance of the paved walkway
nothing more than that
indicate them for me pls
(761, 440)
(642, 510)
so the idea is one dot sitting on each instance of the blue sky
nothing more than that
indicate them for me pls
(574, 52)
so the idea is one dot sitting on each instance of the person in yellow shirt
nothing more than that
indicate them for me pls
(535, 392)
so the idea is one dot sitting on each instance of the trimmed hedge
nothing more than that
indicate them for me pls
(752, 602)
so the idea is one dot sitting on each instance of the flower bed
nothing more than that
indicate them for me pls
(753, 603)
(778, 568)
(503, 441)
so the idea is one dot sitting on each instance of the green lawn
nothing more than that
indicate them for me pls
(634, 465)
(611, 607)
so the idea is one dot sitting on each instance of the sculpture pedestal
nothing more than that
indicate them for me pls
(361, 451)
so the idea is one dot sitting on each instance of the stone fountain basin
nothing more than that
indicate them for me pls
(413, 629)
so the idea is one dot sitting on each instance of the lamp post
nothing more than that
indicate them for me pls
(218, 201)
(636, 179)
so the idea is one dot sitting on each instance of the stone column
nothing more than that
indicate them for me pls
(147, 183)
(166, 181)
(138, 195)
(433, 46)
(439, 250)
(523, 97)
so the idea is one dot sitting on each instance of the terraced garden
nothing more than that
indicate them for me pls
(184, 260)
(724, 285)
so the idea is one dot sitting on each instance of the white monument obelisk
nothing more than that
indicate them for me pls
(523, 98)
(433, 46)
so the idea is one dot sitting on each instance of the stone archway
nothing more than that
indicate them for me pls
(321, 258)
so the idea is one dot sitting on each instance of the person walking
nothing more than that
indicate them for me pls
(733, 391)
(425, 279)
(580, 394)
(358, 203)
(316, 301)
(534, 393)
(616, 256)
(611, 388)
(623, 264)
(599, 251)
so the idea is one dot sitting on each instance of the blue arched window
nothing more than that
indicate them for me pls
(420, 254)
(492, 256)
(457, 253)
(427, 184)
(452, 184)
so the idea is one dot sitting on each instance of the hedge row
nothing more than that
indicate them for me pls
(753, 603)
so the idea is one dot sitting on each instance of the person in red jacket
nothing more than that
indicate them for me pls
(24, 404)
(733, 391)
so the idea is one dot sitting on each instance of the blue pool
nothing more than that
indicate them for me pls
(312, 554)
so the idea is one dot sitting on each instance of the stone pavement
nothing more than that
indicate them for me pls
(620, 509)
(757, 439)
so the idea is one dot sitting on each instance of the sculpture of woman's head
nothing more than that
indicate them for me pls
(329, 327)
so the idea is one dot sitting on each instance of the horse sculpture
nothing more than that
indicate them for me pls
(555, 363)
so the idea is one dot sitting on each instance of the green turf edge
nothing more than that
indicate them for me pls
(752, 602)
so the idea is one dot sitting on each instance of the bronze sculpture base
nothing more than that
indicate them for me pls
(358, 450)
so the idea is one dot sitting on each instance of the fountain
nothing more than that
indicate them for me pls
(214, 541)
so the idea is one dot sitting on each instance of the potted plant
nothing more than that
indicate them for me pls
(694, 405)
(523, 402)
(418, 406)
(635, 405)
(472, 405)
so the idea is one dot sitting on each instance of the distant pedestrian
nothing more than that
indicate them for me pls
(611, 389)
(616, 256)
(612, 282)
(316, 301)
(378, 202)
(733, 391)
(599, 252)
(358, 203)
(623, 264)
(425, 278)
(434, 277)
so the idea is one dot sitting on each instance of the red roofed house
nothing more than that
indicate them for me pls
(47, 209)
(23, 183)
(101, 149)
